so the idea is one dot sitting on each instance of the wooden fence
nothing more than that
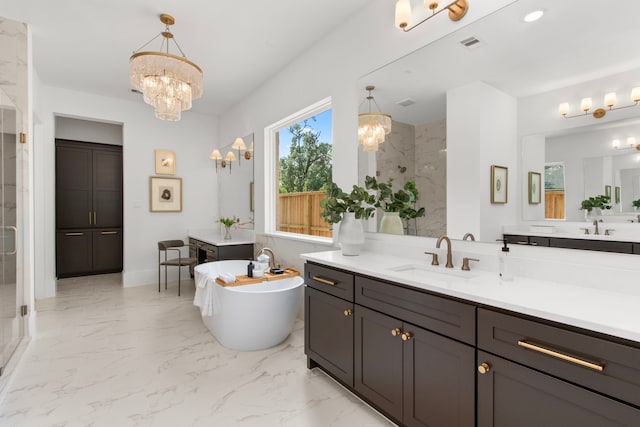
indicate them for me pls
(300, 213)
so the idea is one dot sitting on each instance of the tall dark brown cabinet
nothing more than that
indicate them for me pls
(88, 208)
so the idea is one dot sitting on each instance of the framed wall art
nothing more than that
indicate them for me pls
(165, 194)
(617, 195)
(499, 184)
(165, 162)
(535, 194)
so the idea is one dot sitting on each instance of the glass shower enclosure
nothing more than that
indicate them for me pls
(11, 287)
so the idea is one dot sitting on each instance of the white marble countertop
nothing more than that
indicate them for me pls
(608, 312)
(216, 237)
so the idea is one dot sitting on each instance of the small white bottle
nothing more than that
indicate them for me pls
(264, 261)
(505, 269)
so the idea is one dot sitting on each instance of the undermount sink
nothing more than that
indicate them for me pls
(426, 272)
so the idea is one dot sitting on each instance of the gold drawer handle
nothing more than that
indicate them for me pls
(406, 336)
(559, 355)
(325, 281)
(104, 233)
(348, 312)
(74, 234)
(484, 367)
(395, 332)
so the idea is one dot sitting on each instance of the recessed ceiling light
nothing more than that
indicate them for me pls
(533, 16)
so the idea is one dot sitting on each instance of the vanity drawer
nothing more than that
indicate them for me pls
(608, 367)
(211, 252)
(592, 245)
(451, 318)
(636, 248)
(539, 241)
(335, 282)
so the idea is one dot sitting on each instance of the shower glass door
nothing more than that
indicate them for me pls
(11, 289)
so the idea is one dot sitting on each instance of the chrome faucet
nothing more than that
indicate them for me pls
(272, 257)
(470, 236)
(595, 222)
(449, 263)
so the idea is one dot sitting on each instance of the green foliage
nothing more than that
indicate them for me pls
(308, 165)
(402, 201)
(337, 202)
(636, 203)
(228, 222)
(602, 202)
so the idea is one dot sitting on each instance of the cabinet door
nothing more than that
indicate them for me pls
(107, 188)
(439, 380)
(513, 395)
(378, 360)
(74, 180)
(107, 251)
(74, 253)
(329, 333)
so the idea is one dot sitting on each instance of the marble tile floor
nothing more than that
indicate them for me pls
(104, 355)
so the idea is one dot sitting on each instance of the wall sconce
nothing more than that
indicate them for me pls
(216, 155)
(249, 152)
(610, 99)
(230, 157)
(631, 143)
(457, 10)
(239, 145)
(372, 126)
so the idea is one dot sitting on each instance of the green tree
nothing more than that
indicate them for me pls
(308, 165)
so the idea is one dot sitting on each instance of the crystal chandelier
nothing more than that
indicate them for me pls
(168, 82)
(372, 126)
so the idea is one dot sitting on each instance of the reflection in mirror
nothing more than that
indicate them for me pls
(521, 62)
(235, 181)
(554, 190)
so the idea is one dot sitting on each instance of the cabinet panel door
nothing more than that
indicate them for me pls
(107, 251)
(107, 188)
(513, 395)
(439, 380)
(378, 360)
(73, 187)
(329, 333)
(73, 255)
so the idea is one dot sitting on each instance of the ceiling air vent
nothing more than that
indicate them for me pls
(406, 102)
(471, 43)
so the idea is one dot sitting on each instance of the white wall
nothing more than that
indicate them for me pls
(532, 160)
(332, 68)
(191, 138)
(478, 137)
(88, 131)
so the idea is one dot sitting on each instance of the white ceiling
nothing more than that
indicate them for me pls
(86, 44)
(576, 41)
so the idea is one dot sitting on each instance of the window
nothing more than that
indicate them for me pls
(299, 154)
(554, 190)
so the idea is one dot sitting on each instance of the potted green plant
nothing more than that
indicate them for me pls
(348, 209)
(600, 202)
(636, 204)
(397, 205)
(228, 223)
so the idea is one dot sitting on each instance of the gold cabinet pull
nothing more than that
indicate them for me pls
(560, 355)
(74, 234)
(325, 281)
(95, 218)
(406, 336)
(348, 312)
(89, 217)
(484, 367)
(395, 332)
(104, 233)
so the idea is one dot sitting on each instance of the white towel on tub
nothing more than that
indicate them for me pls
(205, 297)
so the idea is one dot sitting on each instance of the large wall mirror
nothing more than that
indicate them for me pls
(563, 57)
(235, 181)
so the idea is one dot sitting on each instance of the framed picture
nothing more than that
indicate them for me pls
(165, 194)
(607, 191)
(535, 194)
(617, 194)
(499, 183)
(165, 162)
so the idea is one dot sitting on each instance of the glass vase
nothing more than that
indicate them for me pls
(227, 233)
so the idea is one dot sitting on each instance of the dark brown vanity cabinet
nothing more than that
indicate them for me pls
(363, 337)
(88, 208)
(328, 340)
(206, 252)
(536, 374)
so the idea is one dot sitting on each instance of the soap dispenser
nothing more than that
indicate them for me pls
(505, 269)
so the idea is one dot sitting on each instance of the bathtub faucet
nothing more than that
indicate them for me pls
(272, 257)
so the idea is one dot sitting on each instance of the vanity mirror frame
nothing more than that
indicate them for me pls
(577, 76)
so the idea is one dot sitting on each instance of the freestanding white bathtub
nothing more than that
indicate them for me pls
(247, 317)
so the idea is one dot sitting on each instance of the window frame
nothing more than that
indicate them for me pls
(271, 164)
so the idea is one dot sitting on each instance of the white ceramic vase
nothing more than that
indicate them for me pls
(391, 223)
(351, 234)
